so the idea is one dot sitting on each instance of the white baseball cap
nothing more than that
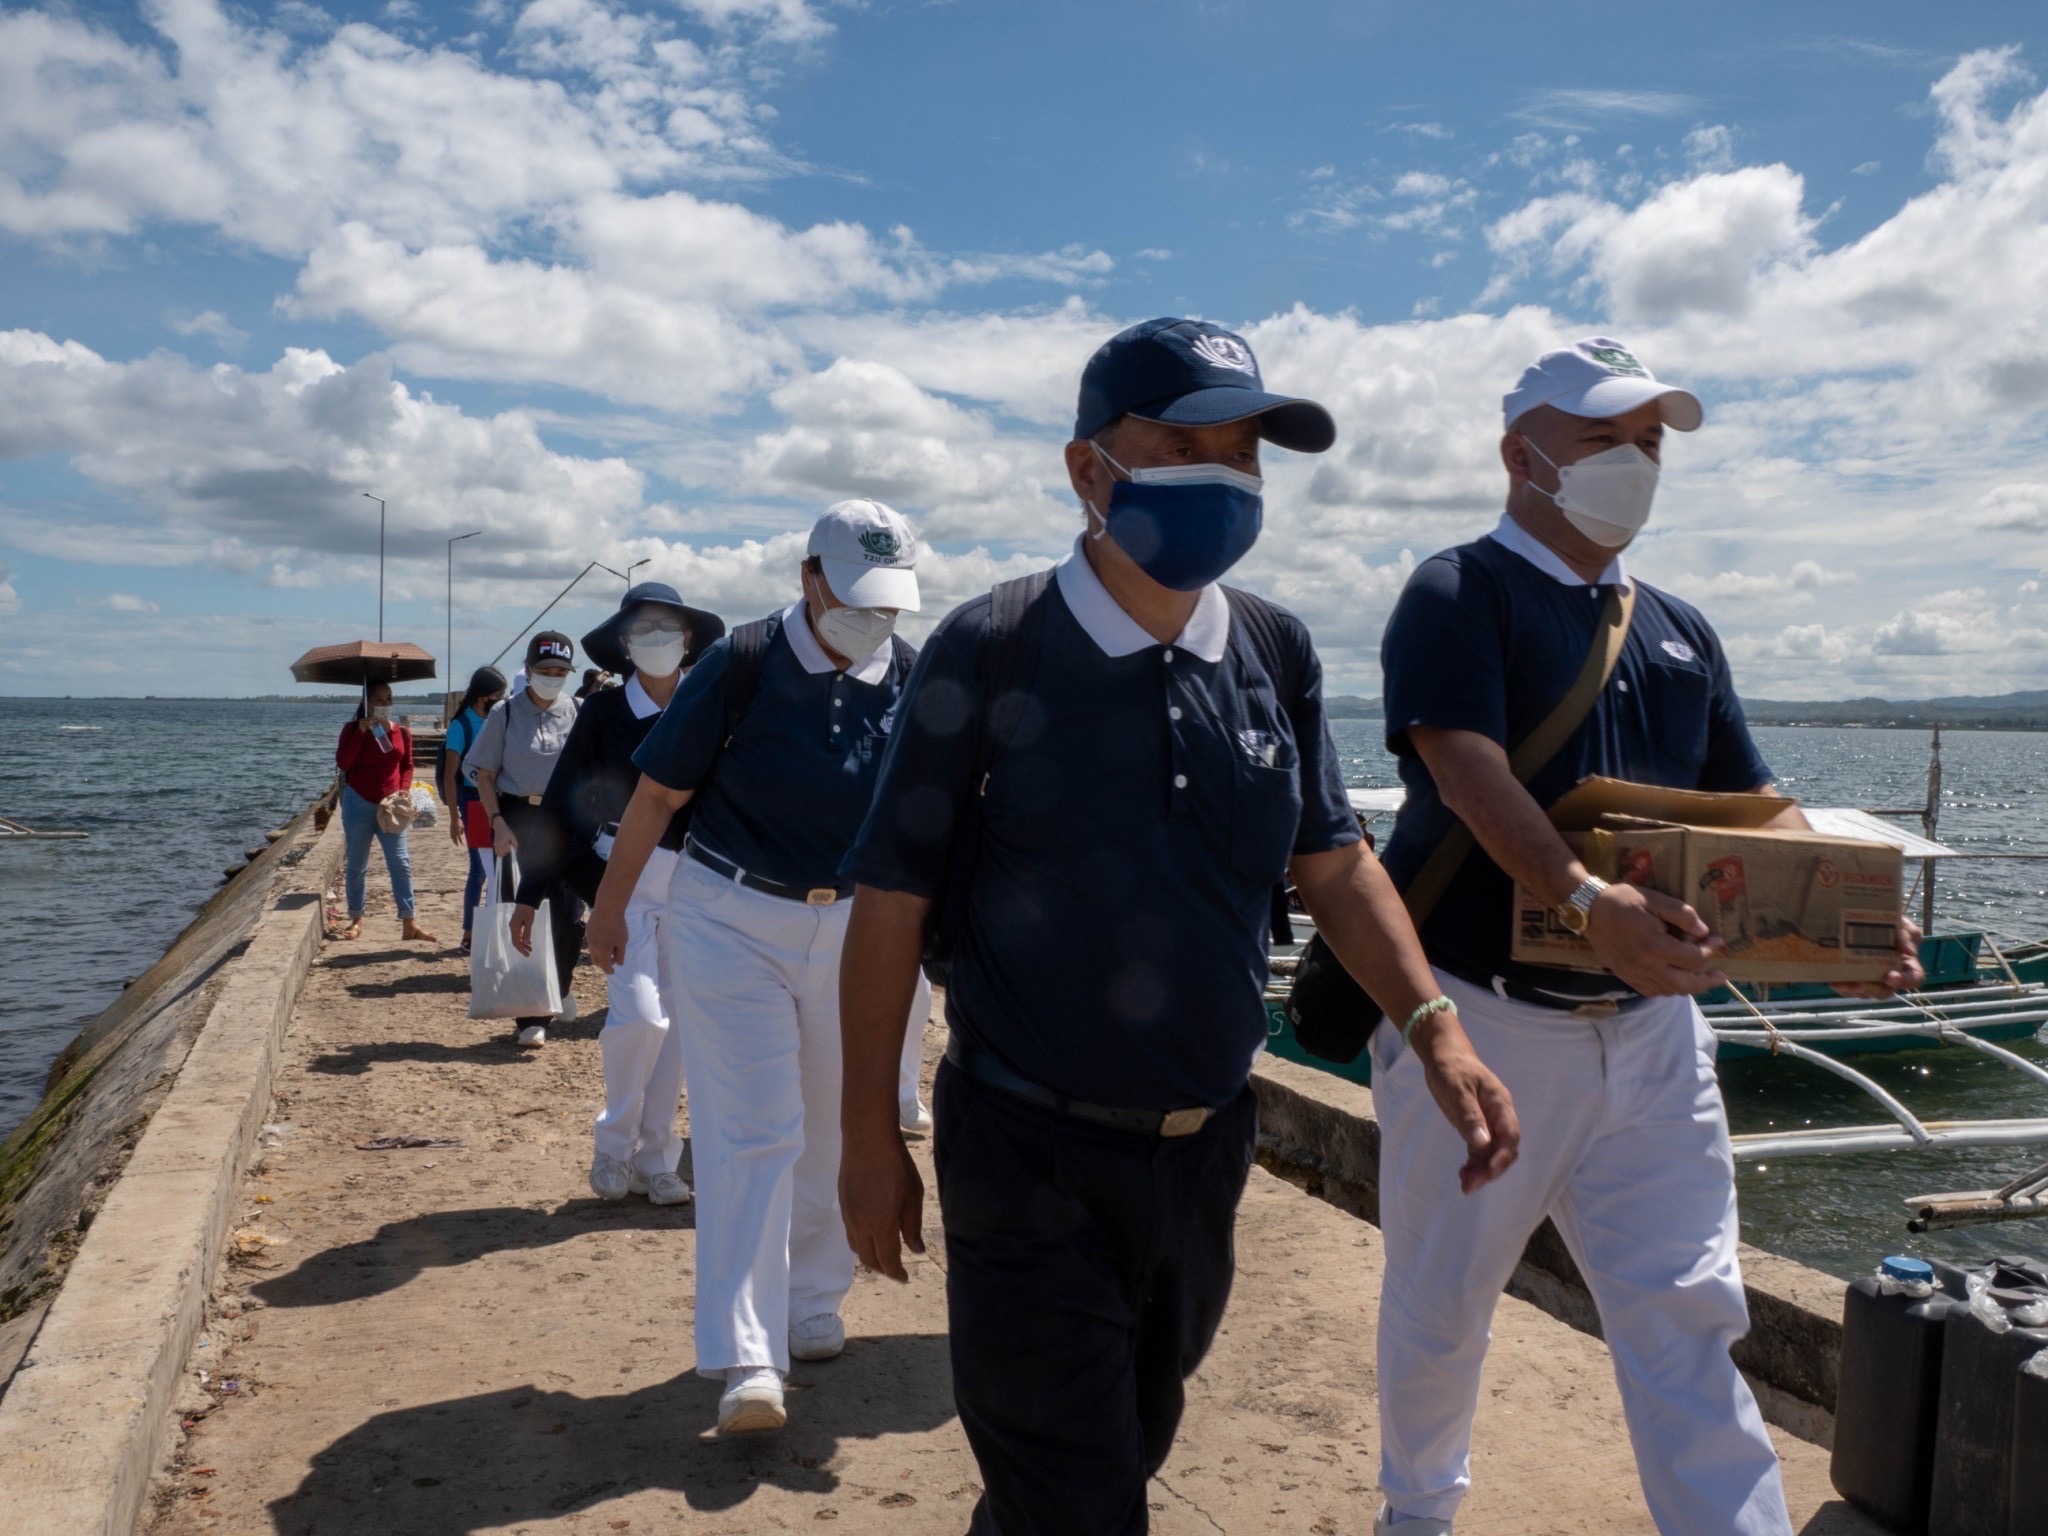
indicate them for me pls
(1598, 377)
(869, 554)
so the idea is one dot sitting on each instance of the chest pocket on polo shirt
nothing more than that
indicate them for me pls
(1265, 810)
(1675, 712)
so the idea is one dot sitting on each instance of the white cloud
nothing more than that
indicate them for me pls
(10, 600)
(210, 323)
(128, 602)
(1587, 108)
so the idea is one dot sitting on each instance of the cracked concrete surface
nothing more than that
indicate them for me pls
(456, 1340)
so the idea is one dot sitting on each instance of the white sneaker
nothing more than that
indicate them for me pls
(752, 1401)
(533, 1034)
(915, 1119)
(568, 1013)
(660, 1188)
(1384, 1524)
(609, 1178)
(817, 1338)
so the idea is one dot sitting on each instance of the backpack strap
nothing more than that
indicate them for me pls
(1264, 628)
(748, 645)
(1010, 649)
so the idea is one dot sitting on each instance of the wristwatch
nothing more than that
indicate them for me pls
(1576, 910)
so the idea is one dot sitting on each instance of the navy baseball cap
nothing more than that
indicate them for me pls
(1189, 373)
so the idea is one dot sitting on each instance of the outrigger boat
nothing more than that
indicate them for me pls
(14, 831)
(1979, 992)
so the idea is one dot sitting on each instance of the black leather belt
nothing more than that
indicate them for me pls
(987, 1068)
(1582, 1007)
(810, 896)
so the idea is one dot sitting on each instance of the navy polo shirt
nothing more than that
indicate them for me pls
(787, 795)
(1488, 637)
(1116, 927)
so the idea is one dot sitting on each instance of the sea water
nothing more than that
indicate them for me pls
(174, 791)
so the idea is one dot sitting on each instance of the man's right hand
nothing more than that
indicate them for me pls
(502, 839)
(881, 1200)
(1653, 942)
(605, 935)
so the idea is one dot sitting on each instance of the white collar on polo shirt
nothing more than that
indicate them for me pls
(797, 625)
(1511, 535)
(1117, 633)
(638, 700)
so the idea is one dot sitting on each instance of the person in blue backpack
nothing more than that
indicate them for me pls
(773, 743)
(468, 826)
(1096, 780)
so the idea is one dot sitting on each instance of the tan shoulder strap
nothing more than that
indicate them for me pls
(1535, 750)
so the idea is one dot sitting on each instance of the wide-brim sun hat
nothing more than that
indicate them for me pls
(606, 644)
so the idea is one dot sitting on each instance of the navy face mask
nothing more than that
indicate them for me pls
(1183, 525)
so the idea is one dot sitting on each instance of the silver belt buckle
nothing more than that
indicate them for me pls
(820, 896)
(1183, 1122)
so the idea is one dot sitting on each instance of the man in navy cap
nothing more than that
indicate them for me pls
(1099, 777)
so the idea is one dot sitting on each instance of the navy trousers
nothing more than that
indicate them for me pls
(1086, 1272)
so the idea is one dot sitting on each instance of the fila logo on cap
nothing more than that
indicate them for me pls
(881, 545)
(1618, 360)
(1225, 352)
(552, 650)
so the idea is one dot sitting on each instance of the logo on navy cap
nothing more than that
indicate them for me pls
(552, 650)
(1225, 352)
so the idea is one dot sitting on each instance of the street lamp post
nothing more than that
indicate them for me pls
(380, 563)
(450, 650)
(627, 574)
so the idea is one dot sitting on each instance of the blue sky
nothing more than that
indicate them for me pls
(619, 283)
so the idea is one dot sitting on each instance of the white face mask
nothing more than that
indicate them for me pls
(545, 687)
(658, 654)
(856, 633)
(1606, 497)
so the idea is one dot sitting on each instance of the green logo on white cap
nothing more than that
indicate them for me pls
(881, 543)
(1619, 359)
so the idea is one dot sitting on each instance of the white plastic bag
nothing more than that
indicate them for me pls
(503, 983)
(429, 808)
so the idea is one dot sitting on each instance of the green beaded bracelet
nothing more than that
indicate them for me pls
(1423, 1011)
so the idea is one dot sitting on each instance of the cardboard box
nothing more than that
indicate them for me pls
(1791, 906)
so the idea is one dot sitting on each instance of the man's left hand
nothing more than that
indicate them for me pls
(522, 929)
(1907, 976)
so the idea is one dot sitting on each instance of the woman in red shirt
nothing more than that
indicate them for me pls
(375, 759)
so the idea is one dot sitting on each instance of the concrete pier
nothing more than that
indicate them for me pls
(461, 1339)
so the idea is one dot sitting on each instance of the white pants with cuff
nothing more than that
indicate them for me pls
(1625, 1146)
(642, 1048)
(757, 994)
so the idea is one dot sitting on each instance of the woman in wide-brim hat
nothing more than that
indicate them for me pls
(650, 642)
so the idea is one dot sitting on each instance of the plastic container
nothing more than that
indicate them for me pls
(2028, 1496)
(1980, 1366)
(1887, 1403)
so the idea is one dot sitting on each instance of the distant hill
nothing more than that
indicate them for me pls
(2023, 711)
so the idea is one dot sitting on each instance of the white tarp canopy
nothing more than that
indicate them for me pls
(1834, 822)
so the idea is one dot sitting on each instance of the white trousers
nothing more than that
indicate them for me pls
(1625, 1146)
(757, 993)
(642, 1051)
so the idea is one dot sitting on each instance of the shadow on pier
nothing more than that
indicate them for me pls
(502, 1458)
(400, 1251)
(496, 1050)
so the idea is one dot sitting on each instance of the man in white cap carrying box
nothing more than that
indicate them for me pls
(1625, 1139)
(774, 741)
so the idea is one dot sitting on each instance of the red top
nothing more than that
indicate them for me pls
(374, 771)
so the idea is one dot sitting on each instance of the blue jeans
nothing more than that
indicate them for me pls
(358, 826)
(473, 892)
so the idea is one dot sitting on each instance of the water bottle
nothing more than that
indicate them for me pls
(1887, 1403)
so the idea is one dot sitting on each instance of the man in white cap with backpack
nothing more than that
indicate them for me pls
(1515, 666)
(774, 741)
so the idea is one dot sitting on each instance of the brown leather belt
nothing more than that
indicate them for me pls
(988, 1068)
